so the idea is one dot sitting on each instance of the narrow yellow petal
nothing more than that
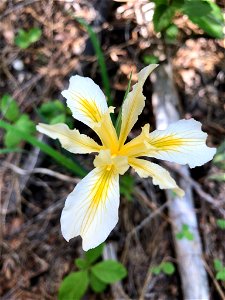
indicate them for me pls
(159, 175)
(71, 140)
(133, 104)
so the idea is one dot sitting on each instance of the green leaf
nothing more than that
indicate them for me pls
(57, 156)
(185, 233)
(212, 23)
(180, 235)
(58, 119)
(156, 270)
(221, 275)
(73, 286)
(218, 177)
(220, 223)
(34, 35)
(218, 266)
(51, 108)
(189, 236)
(25, 38)
(109, 271)
(171, 33)
(196, 8)
(9, 150)
(168, 268)
(9, 108)
(93, 254)
(81, 263)
(24, 124)
(150, 59)
(96, 284)
(21, 39)
(163, 16)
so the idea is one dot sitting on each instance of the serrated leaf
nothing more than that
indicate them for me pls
(81, 263)
(109, 271)
(218, 266)
(9, 108)
(163, 16)
(212, 23)
(168, 268)
(93, 254)
(96, 284)
(73, 286)
(220, 223)
(196, 8)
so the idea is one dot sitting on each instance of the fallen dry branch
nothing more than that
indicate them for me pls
(181, 211)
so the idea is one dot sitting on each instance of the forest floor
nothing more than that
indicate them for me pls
(34, 255)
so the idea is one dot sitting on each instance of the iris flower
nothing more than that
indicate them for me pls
(91, 209)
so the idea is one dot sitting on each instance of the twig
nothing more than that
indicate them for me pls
(41, 171)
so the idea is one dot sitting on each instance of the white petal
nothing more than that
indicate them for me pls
(182, 142)
(86, 100)
(134, 104)
(159, 175)
(71, 140)
(91, 210)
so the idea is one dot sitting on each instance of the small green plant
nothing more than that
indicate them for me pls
(150, 59)
(204, 13)
(220, 269)
(221, 223)
(10, 111)
(91, 273)
(25, 38)
(166, 267)
(54, 112)
(185, 233)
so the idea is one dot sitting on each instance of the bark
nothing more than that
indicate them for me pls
(189, 253)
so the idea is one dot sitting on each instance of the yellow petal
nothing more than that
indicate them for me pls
(71, 140)
(106, 131)
(105, 159)
(182, 142)
(159, 175)
(137, 146)
(91, 210)
(134, 104)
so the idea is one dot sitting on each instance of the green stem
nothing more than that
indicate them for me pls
(60, 158)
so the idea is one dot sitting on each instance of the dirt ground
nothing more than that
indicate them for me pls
(34, 255)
